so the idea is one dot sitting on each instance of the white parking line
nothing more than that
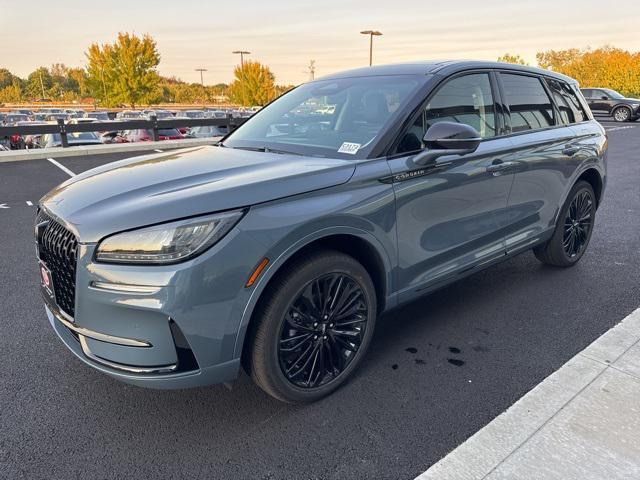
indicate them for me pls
(30, 203)
(62, 167)
(580, 422)
(613, 129)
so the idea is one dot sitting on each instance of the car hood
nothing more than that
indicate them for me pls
(162, 187)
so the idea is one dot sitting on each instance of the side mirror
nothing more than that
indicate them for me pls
(448, 138)
(604, 97)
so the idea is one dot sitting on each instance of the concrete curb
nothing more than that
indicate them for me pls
(509, 447)
(59, 152)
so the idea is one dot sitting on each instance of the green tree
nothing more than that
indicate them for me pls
(253, 85)
(123, 72)
(11, 93)
(509, 58)
(7, 79)
(78, 77)
(39, 83)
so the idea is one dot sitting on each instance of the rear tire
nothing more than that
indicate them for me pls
(313, 327)
(622, 114)
(573, 228)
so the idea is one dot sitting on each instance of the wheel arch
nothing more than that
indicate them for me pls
(593, 177)
(359, 244)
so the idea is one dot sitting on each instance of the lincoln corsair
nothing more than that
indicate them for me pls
(348, 196)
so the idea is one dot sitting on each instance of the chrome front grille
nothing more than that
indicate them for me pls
(58, 249)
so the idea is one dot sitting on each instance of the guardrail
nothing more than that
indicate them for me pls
(152, 124)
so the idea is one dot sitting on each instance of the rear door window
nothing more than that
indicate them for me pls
(571, 110)
(529, 104)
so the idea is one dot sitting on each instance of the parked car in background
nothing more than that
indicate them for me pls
(74, 139)
(607, 102)
(207, 131)
(23, 111)
(130, 114)
(216, 114)
(159, 114)
(100, 116)
(278, 249)
(13, 118)
(33, 140)
(54, 117)
(144, 135)
(50, 110)
(40, 116)
(193, 114)
(15, 141)
(114, 136)
(76, 121)
(73, 113)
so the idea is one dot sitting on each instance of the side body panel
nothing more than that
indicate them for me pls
(544, 164)
(451, 219)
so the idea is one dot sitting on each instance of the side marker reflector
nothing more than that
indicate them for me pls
(256, 273)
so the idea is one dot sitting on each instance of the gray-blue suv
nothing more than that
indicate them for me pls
(348, 196)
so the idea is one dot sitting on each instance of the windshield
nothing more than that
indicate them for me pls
(334, 118)
(612, 93)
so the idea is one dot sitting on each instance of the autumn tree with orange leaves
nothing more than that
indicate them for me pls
(606, 67)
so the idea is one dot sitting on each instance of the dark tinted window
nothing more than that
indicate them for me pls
(587, 92)
(465, 99)
(528, 101)
(570, 109)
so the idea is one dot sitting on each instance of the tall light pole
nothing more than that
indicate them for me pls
(242, 53)
(371, 34)
(41, 83)
(201, 70)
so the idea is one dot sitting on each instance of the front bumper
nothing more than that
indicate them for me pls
(172, 326)
(146, 377)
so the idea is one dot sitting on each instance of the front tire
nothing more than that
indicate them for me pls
(622, 114)
(313, 327)
(573, 228)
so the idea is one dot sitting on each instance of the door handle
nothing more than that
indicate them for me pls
(570, 150)
(498, 166)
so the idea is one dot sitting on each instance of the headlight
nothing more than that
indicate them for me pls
(635, 105)
(168, 242)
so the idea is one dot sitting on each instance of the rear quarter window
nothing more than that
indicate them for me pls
(567, 101)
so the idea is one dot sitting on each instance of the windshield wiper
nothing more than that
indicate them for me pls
(267, 150)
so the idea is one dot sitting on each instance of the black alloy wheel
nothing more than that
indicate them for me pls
(574, 226)
(577, 224)
(312, 327)
(322, 330)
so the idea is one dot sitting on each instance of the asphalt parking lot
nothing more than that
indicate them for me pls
(437, 371)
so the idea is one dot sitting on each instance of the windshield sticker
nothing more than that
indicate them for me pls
(350, 148)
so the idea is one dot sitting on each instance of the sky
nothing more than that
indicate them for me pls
(287, 34)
